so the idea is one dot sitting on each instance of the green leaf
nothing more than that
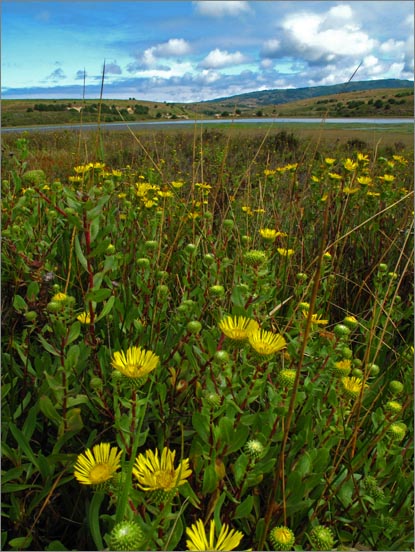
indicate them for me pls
(244, 509)
(19, 303)
(32, 291)
(226, 431)
(79, 254)
(239, 468)
(210, 480)
(98, 295)
(20, 543)
(200, 422)
(93, 518)
(238, 440)
(107, 308)
(49, 348)
(304, 465)
(23, 444)
(47, 408)
(74, 332)
(55, 546)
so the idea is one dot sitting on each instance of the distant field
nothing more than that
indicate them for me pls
(371, 103)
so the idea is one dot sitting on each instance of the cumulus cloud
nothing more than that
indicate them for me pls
(113, 68)
(221, 58)
(175, 47)
(320, 38)
(216, 8)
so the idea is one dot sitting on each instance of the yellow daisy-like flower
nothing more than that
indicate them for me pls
(387, 178)
(228, 539)
(350, 165)
(177, 184)
(363, 157)
(335, 176)
(348, 190)
(316, 319)
(373, 194)
(84, 318)
(238, 328)
(329, 160)
(135, 363)
(269, 234)
(155, 474)
(352, 386)
(98, 466)
(60, 297)
(266, 343)
(285, 252)
(269, 172)
(365, 180)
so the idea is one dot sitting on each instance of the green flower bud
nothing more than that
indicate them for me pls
(30, 316)
(228, 224)
(393, 406)
(194, 327)
(340, 330)
(222, 357)
(371, 486)
(383, 267)
(143, 262)
(357, 373)
(212, 399)
(396, 387)
(351, 322)
(35, 176)
(392, 275)
(151, 245)
(110, 249)
(302, 277)
(54, 306)
(254, 449)
(209, 259)
(162, 274)
(217, 291)
(162, 291)
(321, 538)
(373, 369)
(282, 538)
(126, 535)
(346, 352)
(190, 248)
(397, 430)
(255, 257)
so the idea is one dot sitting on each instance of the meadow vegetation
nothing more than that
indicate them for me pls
(207, 342)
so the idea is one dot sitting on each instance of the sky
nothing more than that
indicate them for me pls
(192, 51)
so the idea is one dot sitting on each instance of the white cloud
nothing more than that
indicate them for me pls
(175, 47)
(217, 8)
(221, 58)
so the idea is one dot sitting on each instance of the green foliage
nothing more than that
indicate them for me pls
(112, 257)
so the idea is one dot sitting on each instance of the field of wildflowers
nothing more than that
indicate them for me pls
(205, 354)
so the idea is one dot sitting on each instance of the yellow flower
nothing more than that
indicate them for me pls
(269, 172)
(98, 466)
(75, 179)
(246, 209)
(228, 539)
(400, 159)
(285, 252)
(316, 319)
(84, 318)
(269, 234)
(177, 184)
(329, 160)
(352, 386)
(282, 538)
(315, 178)
(387, 178)
(60, 297)
(136, 363)
(203, 186)
(238, 327)
(373, 194)
(348, 191)
(362, 157)
(365, 180)
(163, 193)
(335, 176)
(350, 165)
(266, 343)
(155, 474)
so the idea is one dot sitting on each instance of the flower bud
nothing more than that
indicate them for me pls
(321, 538)
(287, 377)
(126, 535)
(217, 291)
(254, 448)
(194, 326)
(282, 538)
(396, 387)
(341, 330)
(222, 357)
(228, 224)
(151, 245)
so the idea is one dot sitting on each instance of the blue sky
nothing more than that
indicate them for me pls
(192, 51)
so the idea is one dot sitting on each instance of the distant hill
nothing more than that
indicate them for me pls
(285, 95)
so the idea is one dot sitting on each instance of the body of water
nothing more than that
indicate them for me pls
(180, 122)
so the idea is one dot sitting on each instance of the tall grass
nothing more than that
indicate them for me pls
(153, 246)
